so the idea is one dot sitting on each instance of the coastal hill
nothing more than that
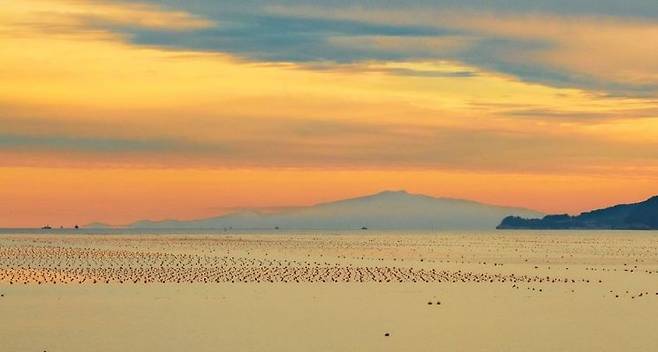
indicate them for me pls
(389, 210)
(636, 216)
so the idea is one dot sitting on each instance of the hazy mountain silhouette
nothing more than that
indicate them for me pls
(636, 216)
(98, 225)
(385, 210)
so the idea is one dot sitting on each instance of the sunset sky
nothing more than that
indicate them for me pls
(116, 111)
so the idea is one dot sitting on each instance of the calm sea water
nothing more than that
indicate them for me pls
(124, 231)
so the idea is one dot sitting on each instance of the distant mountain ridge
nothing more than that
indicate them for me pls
(397, 210)
(635, 216)
(98, 225)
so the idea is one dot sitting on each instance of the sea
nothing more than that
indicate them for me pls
(284, 231)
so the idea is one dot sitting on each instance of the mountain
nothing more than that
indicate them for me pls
(636, 216)
(386, 210)
(98, 225)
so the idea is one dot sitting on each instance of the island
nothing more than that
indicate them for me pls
(636, 216)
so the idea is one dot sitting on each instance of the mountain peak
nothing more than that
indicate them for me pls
(391, 192)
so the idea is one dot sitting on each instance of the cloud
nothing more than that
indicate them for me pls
(386, 87)
(339, 144)
(286, 39)
(582, 44)
(563, 49)
(583, 117)
(22, 143)
(585, 44)
(92, 18)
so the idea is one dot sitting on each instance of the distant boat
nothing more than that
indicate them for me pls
(47, 227)
(77, 227)
(364, 228)
(276, 227)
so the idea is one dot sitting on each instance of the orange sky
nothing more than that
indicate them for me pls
(68, 196)
(118, 111)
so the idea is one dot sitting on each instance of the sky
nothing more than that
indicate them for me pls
(116, 111)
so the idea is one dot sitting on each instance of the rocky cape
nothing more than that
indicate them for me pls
(636, 216)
